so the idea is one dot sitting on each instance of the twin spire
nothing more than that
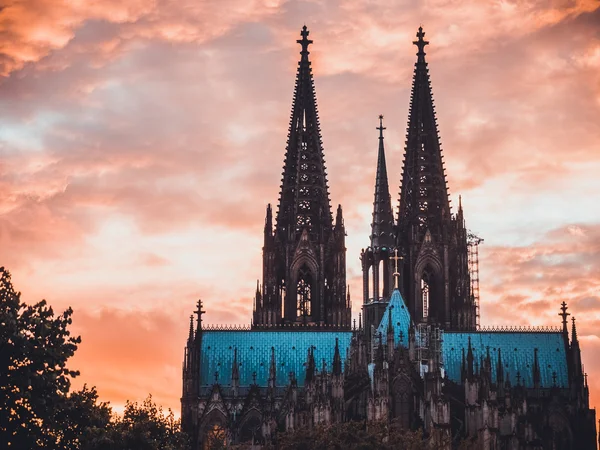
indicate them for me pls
(304, 197)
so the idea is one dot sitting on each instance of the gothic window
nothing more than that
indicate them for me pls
(250, 431)
(303, 166)
(215, 438)
(425, 291)
(303, 221)
(303, 191)
(304, 177)
(304, 205)
(304, 292)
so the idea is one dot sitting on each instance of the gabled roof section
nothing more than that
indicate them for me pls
(382, 228)
(400, 319)
(255, 350)
(304, 196)
(423, 191)
(518, 355)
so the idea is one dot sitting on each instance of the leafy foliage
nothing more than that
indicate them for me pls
(37, 411)
(34, 380)
(353, 436)
(142, 427)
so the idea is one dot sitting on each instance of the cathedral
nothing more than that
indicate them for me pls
(417, 354)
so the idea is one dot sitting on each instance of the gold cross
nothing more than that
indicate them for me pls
(396, 274)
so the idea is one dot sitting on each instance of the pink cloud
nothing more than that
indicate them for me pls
(141, 141)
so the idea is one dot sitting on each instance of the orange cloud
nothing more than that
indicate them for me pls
(140, 142)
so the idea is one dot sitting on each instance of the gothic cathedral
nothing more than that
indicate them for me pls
(417, 356)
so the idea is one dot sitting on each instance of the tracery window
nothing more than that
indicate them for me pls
(304, 292)
(215, 438)
(425, 293)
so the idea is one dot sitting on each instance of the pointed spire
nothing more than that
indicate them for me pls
(390, 329)
(339, 218)
(383, 217)
(499, 369)
(310, 366)
(507, 384)
(423, 192)
(199, 312)
(359, 321)
(574, 339)
(421, 43)
(564, 314)
(268, 221)
(379, 353)
(337, 360)
(235, 370)
(304, 196)
(536, 375)
(463, 366)
(191, 333)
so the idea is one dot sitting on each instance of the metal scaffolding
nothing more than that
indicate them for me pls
(473, 242)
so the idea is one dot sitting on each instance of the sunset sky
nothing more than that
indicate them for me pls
(140, 141)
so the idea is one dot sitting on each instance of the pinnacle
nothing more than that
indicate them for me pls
(383, 217)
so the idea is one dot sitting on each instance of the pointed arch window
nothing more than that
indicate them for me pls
(426, 280)
(304, 292)
(215, 438)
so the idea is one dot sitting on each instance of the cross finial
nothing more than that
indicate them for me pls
(396, 274)
(421, 43)
(253, 377)
(304, 42)
(564, 315)
(554, 378)
(216, 377)
(199, 311)
(518, 378)
(380, 127)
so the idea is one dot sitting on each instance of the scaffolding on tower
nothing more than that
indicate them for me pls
(473, 242)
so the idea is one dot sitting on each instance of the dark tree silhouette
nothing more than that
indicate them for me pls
(34, 380)
(37, 411)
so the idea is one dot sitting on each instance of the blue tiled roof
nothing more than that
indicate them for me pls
(254, 354)
(517, 354)
(400, 319)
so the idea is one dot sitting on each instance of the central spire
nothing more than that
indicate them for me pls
(304, 196)
(382, 227)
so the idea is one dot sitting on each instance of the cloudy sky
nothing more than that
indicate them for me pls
(140, 141)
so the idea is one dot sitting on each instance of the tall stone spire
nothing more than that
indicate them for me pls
(424, 201)
(435, 272)
(382, 228)
(304, 255)
(304, 196)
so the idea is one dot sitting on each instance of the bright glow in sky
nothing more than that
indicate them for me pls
(140, 142)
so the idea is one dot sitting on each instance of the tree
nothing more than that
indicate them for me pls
(34, 380)
(353, 436)
(142, 427)
(37, 411)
